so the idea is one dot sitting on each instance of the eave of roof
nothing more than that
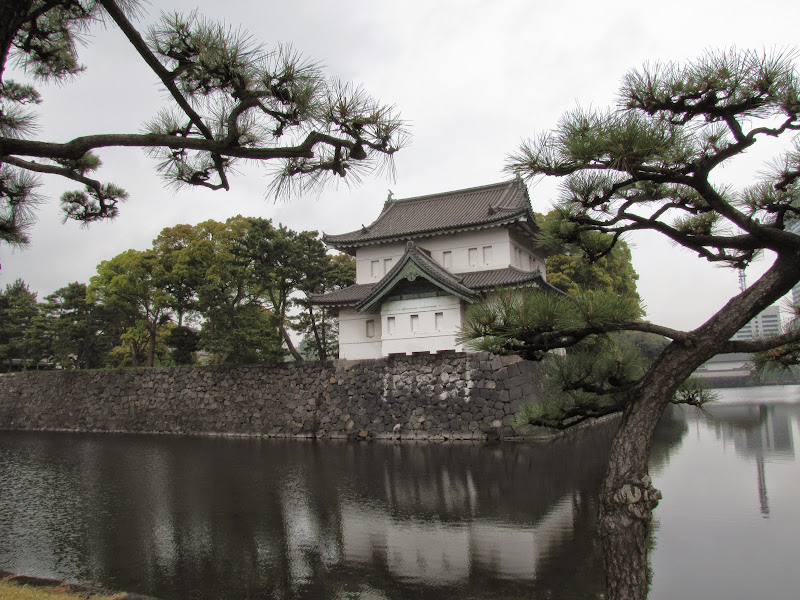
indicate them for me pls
(349, 296)
(460, 210)
(475, 281)
(507, 277)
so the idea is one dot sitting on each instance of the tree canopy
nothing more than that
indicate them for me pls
(230, 100)
(570, 271)
(650, 163)
(227, 290)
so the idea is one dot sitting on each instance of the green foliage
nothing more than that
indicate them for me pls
(531, 321)
(141, 345)
(646, 164)
(244, 334)
(590, 380)
(595, 378)
(695, 392)
(83, 331)
(183, 343)
(18, 314)
(281, 261)
(598, 263)
(18, 202)
(318, 323)
(128, 285)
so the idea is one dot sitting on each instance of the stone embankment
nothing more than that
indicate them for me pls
(439, 397)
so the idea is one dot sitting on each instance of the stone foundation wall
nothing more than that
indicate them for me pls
(447, 396)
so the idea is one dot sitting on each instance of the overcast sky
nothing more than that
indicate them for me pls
(473, 79)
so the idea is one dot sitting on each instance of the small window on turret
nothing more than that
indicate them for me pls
(447, 259)
(472, 254)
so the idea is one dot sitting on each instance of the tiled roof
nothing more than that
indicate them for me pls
(465, 283)
(449, 211)
(481, 280)
(349, 296)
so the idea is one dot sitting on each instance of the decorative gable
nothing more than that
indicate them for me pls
(414, 264)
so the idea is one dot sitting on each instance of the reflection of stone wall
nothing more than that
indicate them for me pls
(458, 396)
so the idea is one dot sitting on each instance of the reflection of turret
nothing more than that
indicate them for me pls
(518, 482)
(437, 553)
(215, 517)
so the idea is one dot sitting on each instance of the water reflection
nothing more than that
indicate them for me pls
(728, 524)
(758, 433)
(214, 518)
(244, 518)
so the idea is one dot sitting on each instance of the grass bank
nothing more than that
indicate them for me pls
(11, 590)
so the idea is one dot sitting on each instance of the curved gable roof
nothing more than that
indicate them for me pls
(416, 263)
(422, 216)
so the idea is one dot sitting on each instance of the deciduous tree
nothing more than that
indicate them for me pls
(281, 261)
(128, 285)
(230, 100)
(319, 324)
(569, 271)
(650, 163)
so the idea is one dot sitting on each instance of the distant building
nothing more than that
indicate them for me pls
(795, 228)
(424, 260)
(730, 365)
(766, 324)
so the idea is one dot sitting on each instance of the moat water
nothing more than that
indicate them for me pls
(205, 518)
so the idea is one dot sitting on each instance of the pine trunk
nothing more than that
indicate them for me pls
(12, 15)
(628, 498)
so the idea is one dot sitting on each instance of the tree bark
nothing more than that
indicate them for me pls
(12, 15)
(628, 497)
(292, 350)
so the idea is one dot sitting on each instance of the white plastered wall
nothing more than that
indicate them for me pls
(480, 250)
(524, 256)
(421, 325)
(354, 343)
(373, 262)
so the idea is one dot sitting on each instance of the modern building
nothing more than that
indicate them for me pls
(795, 228)
(765, 324)
(424, 260)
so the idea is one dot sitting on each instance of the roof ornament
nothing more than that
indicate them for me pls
(390, 197)
(364, 228)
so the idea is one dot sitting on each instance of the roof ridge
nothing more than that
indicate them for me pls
(454, 192)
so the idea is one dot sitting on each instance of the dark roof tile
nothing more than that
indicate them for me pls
(349, 296)
(450, 211)
(466, 282)
(481, 280)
